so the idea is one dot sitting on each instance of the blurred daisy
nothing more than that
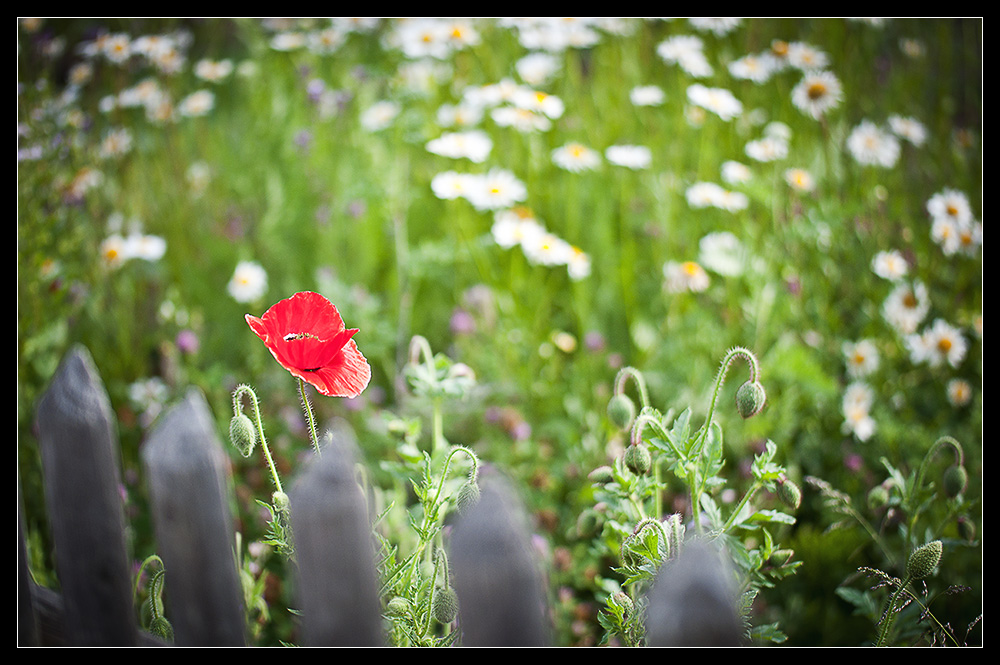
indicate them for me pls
(970, 238)
(114, 250)
(720, 26)
(248, 283)
(950, 204)
(890, 265)
(379, 115)
(754, 67)
(548, 105)
(546, 249)
(687, 51)
(515, 226)
(817, 93)
(213, 71)
(941, 343)
(806, 57)
(947, 233)
(705, 195)
(717, 100)
(578, 263)
(856, 409)
(908, 129)
(326, 41)
(647, 95)
(149, 396)
(959, 392)
(576, 157)
(722, 253)
(861, 358)
(116, 143)
(472, 145)
(906, 307)
(629, 156)
(686, 276)
(145, 246)
(521, 119)
(117, 48)
(459, 115)
(800, 180)
(537, 69)
(735, 173)
(767, 149)
(871, 146)
(197, 104)
(198, 176)
(497, 189)
(288, 41)
(450, 185)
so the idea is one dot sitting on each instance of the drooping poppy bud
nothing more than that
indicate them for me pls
(750, 399)
(242, 434)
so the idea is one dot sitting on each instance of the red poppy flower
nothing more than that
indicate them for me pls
(307, 336)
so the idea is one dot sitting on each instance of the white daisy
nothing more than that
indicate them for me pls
(817, 93)
(959, 392)
(941, 343)
(379, 115)
(950, 204)
(908, 129)
(197, 104)
(861, 358)
(870, 146)
(248, 283)
(473, 145)
(647, 95)
(576, 157)
(717, 100)
(890, 265)
(722, 253)
(450, 185)
(906, 307)
(630, 156)
(497, 189)
(685, 276)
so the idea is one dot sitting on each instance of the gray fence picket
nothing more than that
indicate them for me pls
(495, 573)
(337, 588)
(693, 602)
(80, 460)
(187, 471)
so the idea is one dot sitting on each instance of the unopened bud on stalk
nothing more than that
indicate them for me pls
(967, 528)
(445, 604)
(242, 434)
(878, 497)
(621, 411)
(468, 496)
(750, 399)
(398, 607)
(924, 560)
(789, 493)
(955, 480)
(602, 475)
(280, 501)
(638, 459)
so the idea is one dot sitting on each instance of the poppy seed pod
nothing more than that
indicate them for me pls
(924, 560)
(955, 480)
(621, 411)
(638, 459)
(750, 399)
(445, 604)
(789, 493)
(242, 434)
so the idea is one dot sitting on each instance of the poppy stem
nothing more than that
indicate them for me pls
(307, 408)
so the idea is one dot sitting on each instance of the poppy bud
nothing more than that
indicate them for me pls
(399, 607)
(468, 496)
(445, 604)
(789, 493)
(924, 560)
(602, 475)
(638, 459)
(955, 480)
(160, 627)
(878, 496)
(280, 500)
(621, 411)
(967, 528)
(750, 399)
(242, 434)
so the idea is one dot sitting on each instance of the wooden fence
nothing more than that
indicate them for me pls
(496, 577)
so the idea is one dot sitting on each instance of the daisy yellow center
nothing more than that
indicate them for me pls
(952, 209)
(944, 345)
(691, 268)
(816, 90)
(910, 300)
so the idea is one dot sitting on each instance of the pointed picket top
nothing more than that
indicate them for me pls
(187, 473)
(78, 439)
